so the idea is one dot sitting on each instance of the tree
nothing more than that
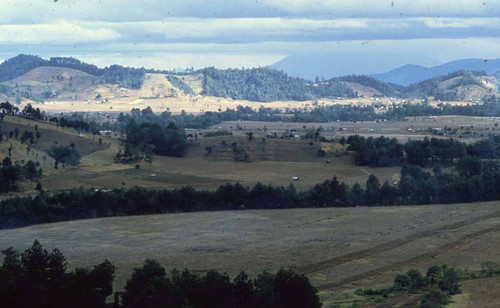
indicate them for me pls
(148, 287)
(372, 191)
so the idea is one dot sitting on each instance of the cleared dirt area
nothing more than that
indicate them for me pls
(339, 249)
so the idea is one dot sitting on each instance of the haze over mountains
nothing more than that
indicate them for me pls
(327, 67)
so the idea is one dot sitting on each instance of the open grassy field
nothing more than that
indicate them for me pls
(274, 161)
(271, 160)
(478, 293)
(339, 249)
(471, 128)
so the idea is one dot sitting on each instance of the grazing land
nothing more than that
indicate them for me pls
(339, 249)
(478, 293)
(271, 160)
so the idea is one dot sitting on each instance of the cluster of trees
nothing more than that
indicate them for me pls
(437, 285)
(151, 287)
(126, 77)
(474, 181)
(178, 83)
(32, 113)
(11, 173)
(375, 152)
(381, 151)
(64, 154)
(151, 138)
(40, 279)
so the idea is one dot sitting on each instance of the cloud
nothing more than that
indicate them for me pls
(56, 33)
(461, 23)
(24, 11)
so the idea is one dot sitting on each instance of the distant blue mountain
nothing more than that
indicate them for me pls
(309, 67)
(408, 74)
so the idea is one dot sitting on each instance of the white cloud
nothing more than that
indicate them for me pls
(461, 23)
(56, 33)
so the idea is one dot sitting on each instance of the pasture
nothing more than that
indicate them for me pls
(270, 160)
(339, 249)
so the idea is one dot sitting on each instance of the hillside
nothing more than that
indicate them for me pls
(456, 86)
(408, 74)
(337, 248)
(63, 84)
(328, 67)
(115, 74)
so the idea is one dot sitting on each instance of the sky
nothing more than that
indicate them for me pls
(376, 35)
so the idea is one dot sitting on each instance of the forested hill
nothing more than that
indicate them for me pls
(265, 85)
(115, 74)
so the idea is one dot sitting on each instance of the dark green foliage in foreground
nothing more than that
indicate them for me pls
(151, 287)
(39, 279)
(474, 181)
(437, 285)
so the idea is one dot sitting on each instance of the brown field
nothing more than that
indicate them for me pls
(478, 293)
(339, 249)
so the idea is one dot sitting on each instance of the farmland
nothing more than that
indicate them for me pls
(271, 160)
(339, 249)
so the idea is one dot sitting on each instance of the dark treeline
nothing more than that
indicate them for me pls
(381, 151)
(400, 111)
(39, 279)
(319, 114)
(475, 180)
(180, 84)
(127, 77)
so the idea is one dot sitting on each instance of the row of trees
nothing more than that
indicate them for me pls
(436, 285)
(474, 181)
(381, 151)
(316, 114)
(38, 278)
(180, 84)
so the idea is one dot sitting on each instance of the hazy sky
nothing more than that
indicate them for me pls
(232, 33)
